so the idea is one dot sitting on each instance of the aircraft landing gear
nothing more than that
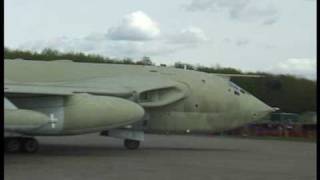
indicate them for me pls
(12, 145)
(131, 144)
(23, 144)
(29, 145)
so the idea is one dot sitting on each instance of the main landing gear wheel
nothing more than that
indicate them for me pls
(29, 145)
(16, 144)
(12, 145)
(131, 144)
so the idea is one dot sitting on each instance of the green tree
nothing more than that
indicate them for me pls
(145, 61)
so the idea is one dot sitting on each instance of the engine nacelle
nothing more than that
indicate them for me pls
(89, 113)
(70, 115)
(21, 120)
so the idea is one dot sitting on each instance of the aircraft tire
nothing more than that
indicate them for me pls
(29, 145)
(12, 145)
(131, 144)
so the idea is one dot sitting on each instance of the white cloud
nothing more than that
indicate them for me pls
(305, 67)
(190, 35)
(136, 26)
(135, 37)
(98, 44)
(61, 43)
(138, 49)
(244, 10)
(242, 42)
(200, 5)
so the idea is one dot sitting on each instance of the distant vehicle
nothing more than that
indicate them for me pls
(67, 98)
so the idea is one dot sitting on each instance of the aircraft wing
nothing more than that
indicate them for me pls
(34, 89)
(146, 91)
(56, 89)
(41, 103)
(228, 76)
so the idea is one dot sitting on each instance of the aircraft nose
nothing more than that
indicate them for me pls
(260, 109)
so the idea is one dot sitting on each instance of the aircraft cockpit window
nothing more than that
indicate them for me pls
(234, 85)
(237, 89)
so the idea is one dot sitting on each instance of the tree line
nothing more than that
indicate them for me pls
(288, 92)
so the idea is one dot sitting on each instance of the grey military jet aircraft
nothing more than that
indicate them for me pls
(62, 97)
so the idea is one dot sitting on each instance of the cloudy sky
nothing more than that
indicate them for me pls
(277, 36)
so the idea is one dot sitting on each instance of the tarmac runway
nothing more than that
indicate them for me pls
(164, 157)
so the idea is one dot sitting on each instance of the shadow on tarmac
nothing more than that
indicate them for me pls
(91, 150)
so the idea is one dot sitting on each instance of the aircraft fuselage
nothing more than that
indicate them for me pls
(172, 99)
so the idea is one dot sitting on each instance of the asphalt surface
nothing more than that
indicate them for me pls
(164, 157)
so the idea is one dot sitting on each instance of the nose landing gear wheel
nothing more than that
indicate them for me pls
(131, 144)
(29, 145)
